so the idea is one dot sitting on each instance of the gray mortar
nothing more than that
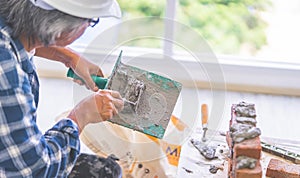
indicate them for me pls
(245, 110)
(240, 132)
(246, 120)
(245, 162)
(153, 104)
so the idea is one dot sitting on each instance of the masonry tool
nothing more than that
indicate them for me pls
(149, 99)
(204, 118)
(283, 153)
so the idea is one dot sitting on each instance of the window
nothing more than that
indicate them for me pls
(255, 41)
(266, 30)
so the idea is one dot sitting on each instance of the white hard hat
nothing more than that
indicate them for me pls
(82, 8)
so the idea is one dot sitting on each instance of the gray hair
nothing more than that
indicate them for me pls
(35, 23)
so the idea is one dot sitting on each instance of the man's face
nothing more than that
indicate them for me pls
(67, 38)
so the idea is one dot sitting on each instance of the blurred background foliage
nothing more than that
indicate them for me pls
(229, 26)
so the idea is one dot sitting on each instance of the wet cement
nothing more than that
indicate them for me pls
(240, 132)
(152, 99)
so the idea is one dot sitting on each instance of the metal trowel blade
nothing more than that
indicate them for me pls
(151, 98)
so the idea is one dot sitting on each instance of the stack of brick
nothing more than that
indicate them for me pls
(244, 142)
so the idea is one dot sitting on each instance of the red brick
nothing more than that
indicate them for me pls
(280, 169)
(229, 140)
(248, 173)
(229, 166)
(251, 148)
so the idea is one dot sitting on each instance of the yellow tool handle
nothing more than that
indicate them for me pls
(204, 114)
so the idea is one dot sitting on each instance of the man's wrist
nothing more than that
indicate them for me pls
(73, 117)
(71, 58)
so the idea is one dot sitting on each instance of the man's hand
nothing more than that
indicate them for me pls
(98, 107)
(84, 69)
(81, 66)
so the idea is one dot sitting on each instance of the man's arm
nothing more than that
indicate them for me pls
(24, 150)
(70, 58)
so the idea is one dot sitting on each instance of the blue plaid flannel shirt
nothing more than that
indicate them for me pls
(24, 150)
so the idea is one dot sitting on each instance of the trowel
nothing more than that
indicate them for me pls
(149, 98)
(204, 119)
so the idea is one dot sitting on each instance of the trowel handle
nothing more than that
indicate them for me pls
(99, 81)
(204, 115)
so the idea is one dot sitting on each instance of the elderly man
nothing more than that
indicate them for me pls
(44, 28)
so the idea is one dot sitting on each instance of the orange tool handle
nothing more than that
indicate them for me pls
(204, 114)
